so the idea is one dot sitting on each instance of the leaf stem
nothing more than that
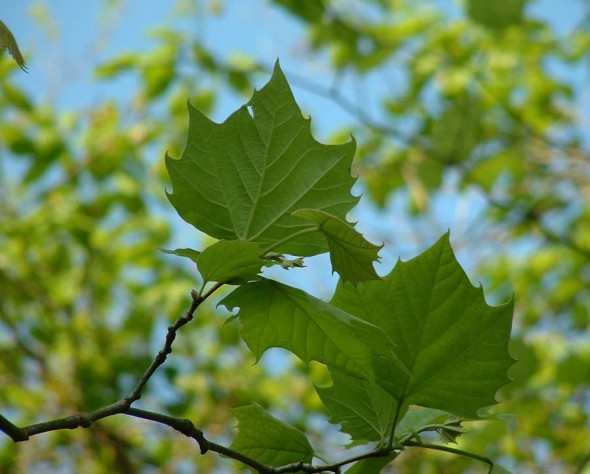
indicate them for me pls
(448, 449)
(394, 424)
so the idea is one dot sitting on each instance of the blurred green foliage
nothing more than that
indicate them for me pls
(85, 297)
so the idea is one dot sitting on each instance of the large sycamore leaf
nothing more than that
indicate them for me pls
(454, 344)
(268, 440)
(351, 255)
(276, 315)
(244, 178)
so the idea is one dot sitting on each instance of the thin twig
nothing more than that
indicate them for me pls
(85, 420)
(167, 349)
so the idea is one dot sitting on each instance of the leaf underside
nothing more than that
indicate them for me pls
(230, 262)
(276, 315)
(244, 178)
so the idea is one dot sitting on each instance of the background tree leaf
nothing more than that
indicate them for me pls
(268, 440)
(453, 343)
(230, 261)
(242, 180)
(351, 255)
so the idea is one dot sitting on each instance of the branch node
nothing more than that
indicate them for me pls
(17, 434)
(189, 429)
(83, 420)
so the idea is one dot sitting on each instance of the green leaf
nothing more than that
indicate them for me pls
(364, 410)
(276, 315)
(351, 255)
(308, 10)
(268, 440)
(416, 418)
(371, 465)
(454, 345)
(114, 67)
(243, 179)
(187, 253)
(230, 262)
(496, 15)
